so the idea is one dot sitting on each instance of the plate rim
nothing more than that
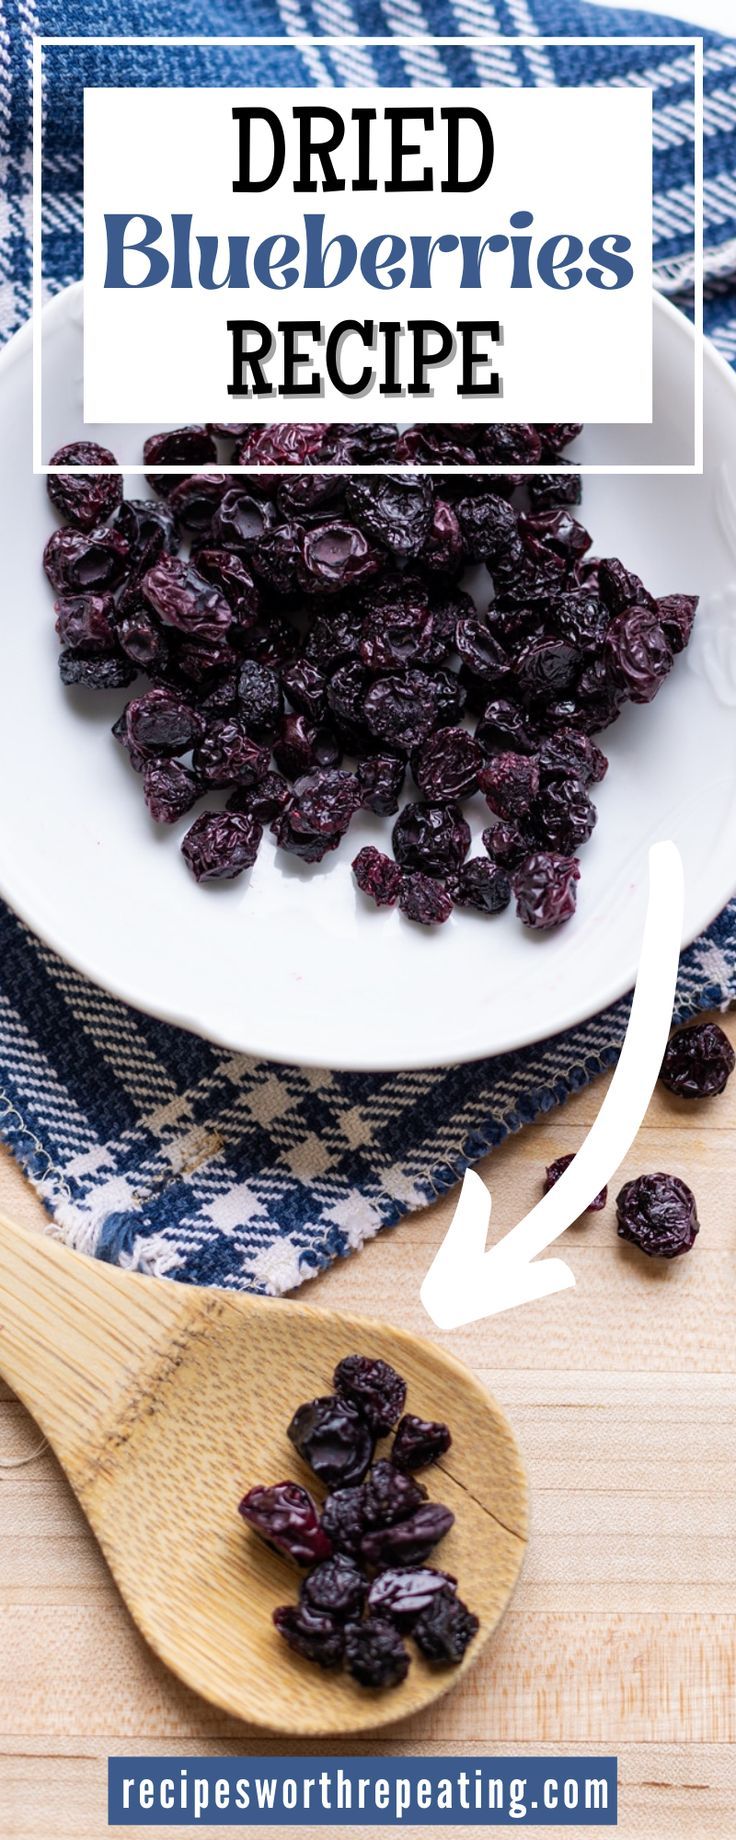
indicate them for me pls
(617, 987)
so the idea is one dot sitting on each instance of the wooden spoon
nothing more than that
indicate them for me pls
(164, 1403)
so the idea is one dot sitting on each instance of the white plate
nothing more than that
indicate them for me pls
(292, 964)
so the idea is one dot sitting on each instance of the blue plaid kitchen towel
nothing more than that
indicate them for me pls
(154, 1149)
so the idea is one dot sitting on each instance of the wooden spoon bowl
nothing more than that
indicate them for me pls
(165, 1403)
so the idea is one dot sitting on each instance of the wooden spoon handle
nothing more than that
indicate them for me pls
(74, 1334)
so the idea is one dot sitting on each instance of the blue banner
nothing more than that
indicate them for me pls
(362, 1791)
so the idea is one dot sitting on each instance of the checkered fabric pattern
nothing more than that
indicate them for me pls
(154, 1149)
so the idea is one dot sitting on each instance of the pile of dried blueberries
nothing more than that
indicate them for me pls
(368, 1582)
(322, 617)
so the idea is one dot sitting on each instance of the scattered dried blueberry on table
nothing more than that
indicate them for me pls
(698, 1061)
(658, 1214)
(557, 1169)
(367, 1583)
(309, 640)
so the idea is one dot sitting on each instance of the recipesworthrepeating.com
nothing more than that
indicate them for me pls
(357, 1791)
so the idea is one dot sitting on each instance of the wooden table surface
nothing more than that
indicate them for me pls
(621, 1635)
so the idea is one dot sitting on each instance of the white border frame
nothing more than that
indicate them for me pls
(40, 43)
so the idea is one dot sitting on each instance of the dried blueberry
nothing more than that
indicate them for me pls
(293, 751)
(619, 587)
(270, 796)
(510, 783)
(169, 790)
(544, 886)
(310, 846)
(488, 524)
(375, 1654)
(377, 876)
(432, 838)
(346, 700)
(333, 1438)
(698, 1061)
(445, 1628)
(194, 501)
(554, 436)
(568, 752)
(424, 900)
(389, 1496)
(336, 1588)
(557, 1169)
(556, 532)
(408, 1542)
(149, 528)
(394, 636)
(162, 722)
(311, 1633)
(93, 672)
(84, 622)
(334, 557)
(481, 652)
(452, 697)
(77, 561)
(508, 444)
(381, 780)
(395, 509)
(229, 572)
(443, 552)
(84, 499)
(548, 489)
(563, 816)
(374, 1387)
(402, 1593)
(221, 844)
(178, 447)
(287, 1518)
(401, 709)
(241, 520)
(545, 668)
(280, 444)
(359, 443)
(447, 765)
(658, 1214)
(228, 756)
(260, 701)
(676, 613)
(638, 652)
(506, 726)
(304, 685)
(418, 1442)
(507, 844)
(482, 885)
(180, 597)
(582, 619)
(142, 640)
(333, 638)
(324, 802)
(343, 1519)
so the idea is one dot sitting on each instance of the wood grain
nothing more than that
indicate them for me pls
(621, 1634)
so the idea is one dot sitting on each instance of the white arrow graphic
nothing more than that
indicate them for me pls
(464, 1281)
